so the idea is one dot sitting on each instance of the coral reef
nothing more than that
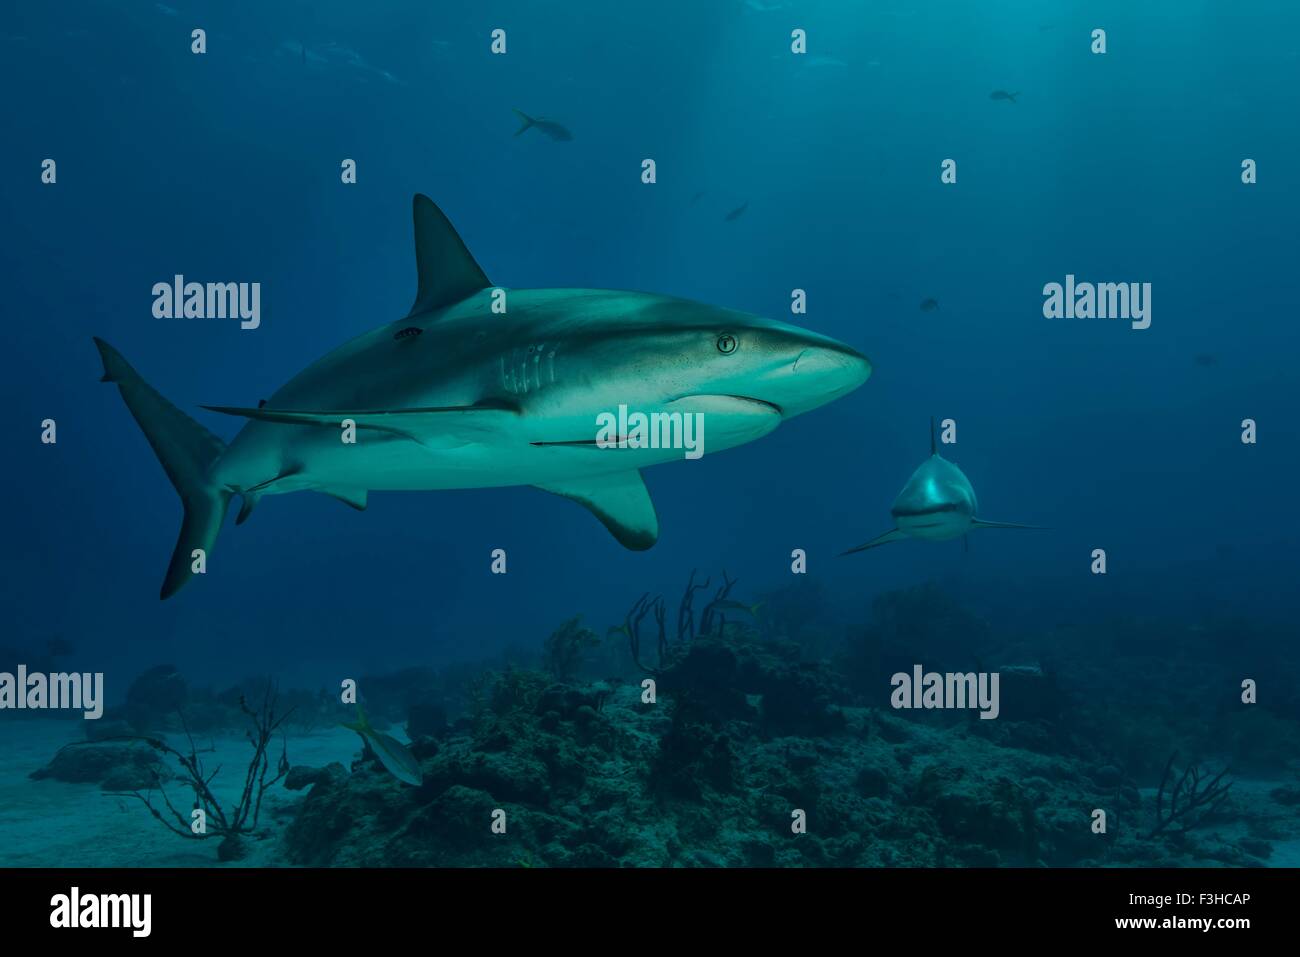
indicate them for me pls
(710, 732)
(734, 732)
(113, 765)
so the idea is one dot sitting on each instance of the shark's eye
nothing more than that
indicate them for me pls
(726, 344)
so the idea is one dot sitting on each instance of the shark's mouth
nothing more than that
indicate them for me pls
(712, 398)
(732, 414)
(925, 512)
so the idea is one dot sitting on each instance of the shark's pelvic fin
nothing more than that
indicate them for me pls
(980, 523)
(355, 497)
(893, 535)
(621, 502)
(186, 451)
(447, 271)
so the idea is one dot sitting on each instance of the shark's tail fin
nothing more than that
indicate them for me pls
(525, 121)
(186, 451)
(1012, 96)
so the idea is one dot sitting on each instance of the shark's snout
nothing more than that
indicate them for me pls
(820, 371)
(834, 361)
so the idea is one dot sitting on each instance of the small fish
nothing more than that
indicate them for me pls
(1003, 95)
(736, 213)
(393, 755)
(697, 197)
(549, 127)
(929, 305)
(58, 647)
(730, 604)
(1207, 359)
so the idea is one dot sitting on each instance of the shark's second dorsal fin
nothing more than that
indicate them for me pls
(447, 271)
(933, 448)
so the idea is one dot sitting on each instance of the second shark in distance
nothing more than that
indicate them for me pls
(936, 504)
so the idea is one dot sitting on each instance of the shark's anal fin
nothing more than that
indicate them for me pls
(893, 535)
(447, 271)
(249, 503)
(980, 523)
(621, 502)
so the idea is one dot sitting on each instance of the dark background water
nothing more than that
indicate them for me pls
(225, 167)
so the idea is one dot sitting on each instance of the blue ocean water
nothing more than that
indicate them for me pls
(225, 166)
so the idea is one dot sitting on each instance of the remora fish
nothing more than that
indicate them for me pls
(937, 503)
(482, 398)
(393, 755)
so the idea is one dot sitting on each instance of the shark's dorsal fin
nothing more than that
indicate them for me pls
(621, 502)
(933, 447)
(447, 272)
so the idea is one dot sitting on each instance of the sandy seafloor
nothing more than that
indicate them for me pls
(52, 823)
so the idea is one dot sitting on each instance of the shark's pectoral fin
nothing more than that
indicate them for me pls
(621, 502)
(980, 523)
(893, 535)
(358, 498)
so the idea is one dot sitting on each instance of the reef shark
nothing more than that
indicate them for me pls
(481, 386)
(937, 503)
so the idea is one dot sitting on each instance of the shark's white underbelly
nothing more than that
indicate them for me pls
(276, 459)
(405, 466)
